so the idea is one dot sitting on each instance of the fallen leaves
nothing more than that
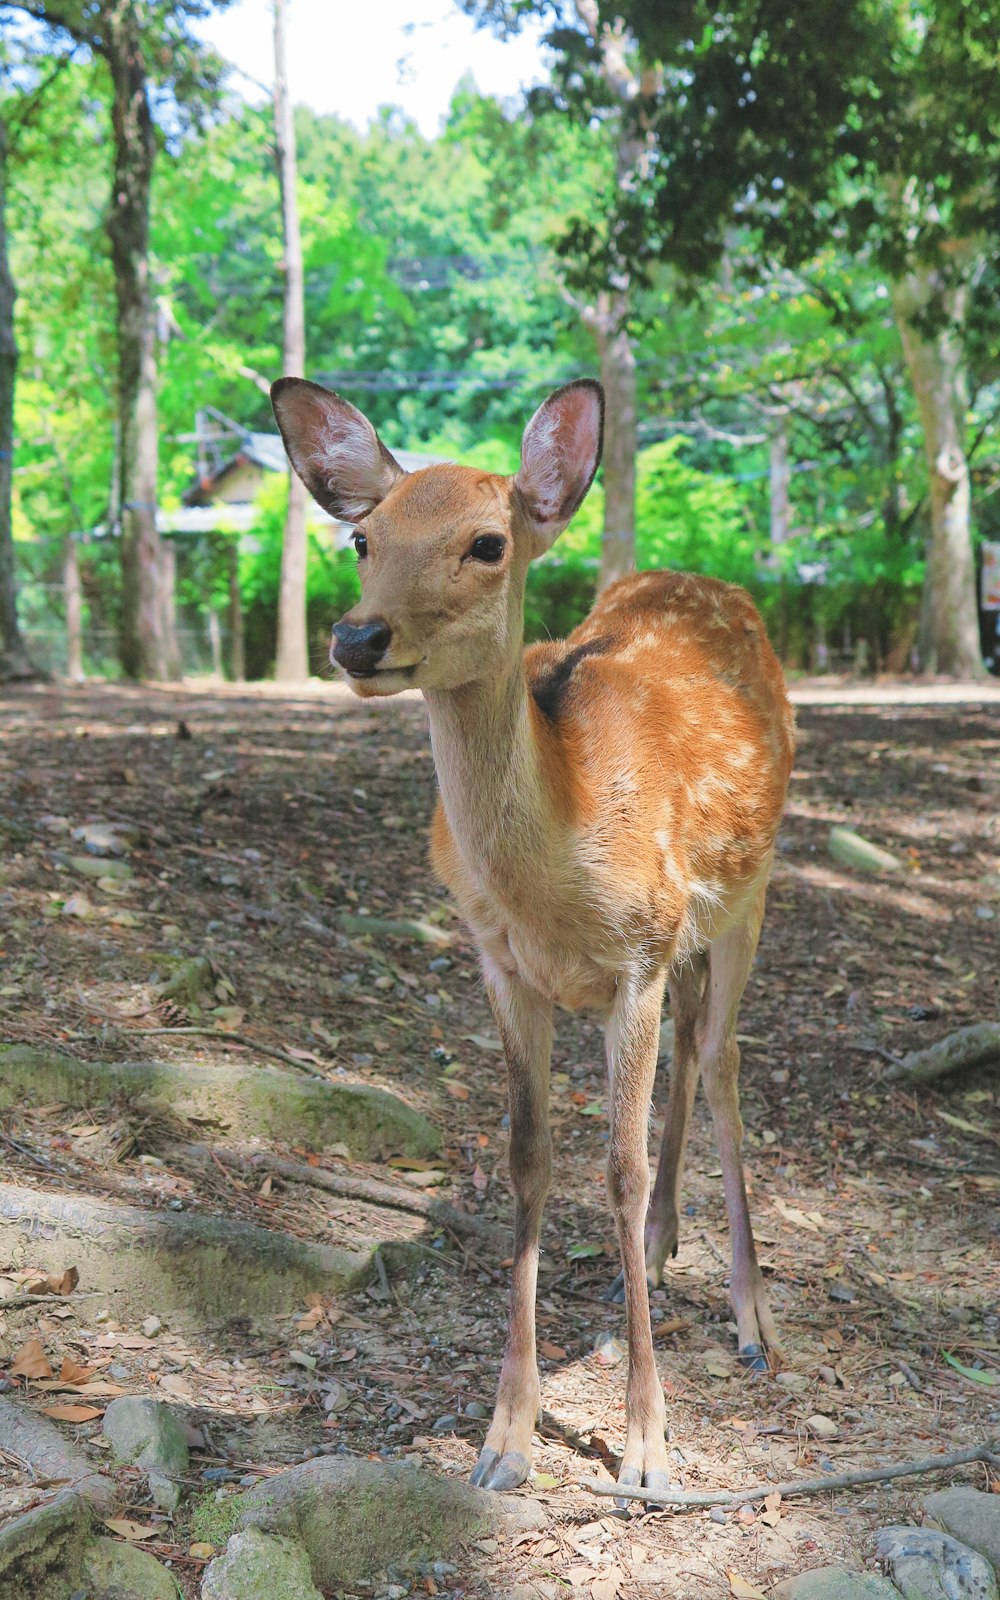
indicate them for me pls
(71, 1413)
(134, 1532)
(742, 1589)
(31, 1361)
(988, 1380)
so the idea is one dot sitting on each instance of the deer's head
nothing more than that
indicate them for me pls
(443, 552)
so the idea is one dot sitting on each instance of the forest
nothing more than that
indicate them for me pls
(486, 1122)
(800, 357)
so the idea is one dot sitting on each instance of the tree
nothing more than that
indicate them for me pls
(875, 124)
(139, 41)
(14, 662)
(292, 665)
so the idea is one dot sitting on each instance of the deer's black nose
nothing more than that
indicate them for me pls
(359, 650)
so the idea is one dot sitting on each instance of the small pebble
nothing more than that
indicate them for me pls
(718, 1515)
(440, 964)
(219, 1475)
(443, 1569)
(446, 1424)
(151, 1327)
(475, 1408)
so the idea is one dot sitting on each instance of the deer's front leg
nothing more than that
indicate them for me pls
(525, 1024)
(632, 1041)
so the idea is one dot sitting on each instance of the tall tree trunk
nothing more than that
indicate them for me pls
(73, 600)
(237, 660)
(215, 642)
(143, 646)
(172, 664)
(292, 665)
(618, 376)
(14, 662)
(930, 313)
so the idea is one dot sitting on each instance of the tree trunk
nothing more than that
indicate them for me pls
(172, 664)
(618, 376)
(14, 661)
(215, 643)
(930, 314)
(292, 665)
(237, 655)
(73, 599)
(143, 646)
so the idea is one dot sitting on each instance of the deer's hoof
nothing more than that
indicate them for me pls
(754, 1358)
(655, 1479)
(616, 1292)
(492, 1471)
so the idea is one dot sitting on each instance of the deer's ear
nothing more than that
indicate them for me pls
(333, 448)
(560, 452)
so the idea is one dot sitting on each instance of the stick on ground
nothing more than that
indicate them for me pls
(691, 1499)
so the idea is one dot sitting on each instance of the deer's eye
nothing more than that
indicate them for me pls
(360, 545)
(489, 547)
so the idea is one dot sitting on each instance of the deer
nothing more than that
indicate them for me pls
(607, 814)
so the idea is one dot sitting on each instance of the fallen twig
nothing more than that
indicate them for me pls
(350, 1187)
(975, 1046)
(394, 928)
(212, 1033)
(14, 1301)
(690, 1498)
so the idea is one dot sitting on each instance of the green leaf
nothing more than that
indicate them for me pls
(989, 1380)
(580, 1252)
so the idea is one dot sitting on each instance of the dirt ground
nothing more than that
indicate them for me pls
(259, 820)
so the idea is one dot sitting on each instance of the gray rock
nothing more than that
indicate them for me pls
(475, 1408)
(146, 1433)
(41, 1551)
(969, 1515)
(927, 1565)
(835, 1583)
(357, 1517)
(116, 1571)
(260, 1566)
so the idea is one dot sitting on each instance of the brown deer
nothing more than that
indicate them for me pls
(608, 809)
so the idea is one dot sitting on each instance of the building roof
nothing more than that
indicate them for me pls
(265, 450)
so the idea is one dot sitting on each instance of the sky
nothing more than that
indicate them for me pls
(352, 56)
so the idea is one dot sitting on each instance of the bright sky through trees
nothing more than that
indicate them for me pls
(351, 59)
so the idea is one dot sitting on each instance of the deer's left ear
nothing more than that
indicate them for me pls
(560, 452)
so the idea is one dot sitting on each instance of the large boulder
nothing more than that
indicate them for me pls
(927, 1565)
(146, 1433)
(260, 1566)
(356, 1517)
(41, 1551)
(835, 1583)
(968, 1515)
(117, 1571)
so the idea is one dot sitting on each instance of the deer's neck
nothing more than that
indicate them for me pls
(493, 789)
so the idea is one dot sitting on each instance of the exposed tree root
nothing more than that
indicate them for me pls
(975, 1046)
(49, 1456)
(352, 1188)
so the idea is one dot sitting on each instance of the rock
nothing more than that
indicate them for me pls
(260, 1566)
(151, 1327)
(357, 1517)
(834, 1583)
(78, 906)
(106, 838)
(41, 1551)
(446, 1424)
(608, 1351)
(968, 1515)
(822, 1427)
(475, 1408)
(851, 850)
(927, 1565)
(117, 1571)
(796, 1381)
(146, 1433)
(101, 867)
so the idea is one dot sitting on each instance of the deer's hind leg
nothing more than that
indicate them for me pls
(686, 987)
(729, 962)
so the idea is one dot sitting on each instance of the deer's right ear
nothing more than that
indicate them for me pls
(333, 448)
